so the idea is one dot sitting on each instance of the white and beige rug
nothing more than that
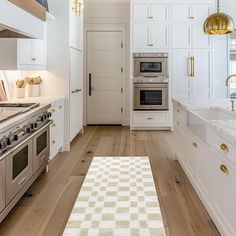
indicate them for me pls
(118, 198)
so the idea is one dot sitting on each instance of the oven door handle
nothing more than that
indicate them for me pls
(31, 136)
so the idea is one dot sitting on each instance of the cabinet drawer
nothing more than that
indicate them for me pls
(224, 149)
(151, 119)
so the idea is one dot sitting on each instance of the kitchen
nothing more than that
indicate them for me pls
(95, 84)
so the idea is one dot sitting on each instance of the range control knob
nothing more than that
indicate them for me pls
(45, 116)
(33, 125)
(41, 118)
(26, 129)
(3, 142)
(49, 114)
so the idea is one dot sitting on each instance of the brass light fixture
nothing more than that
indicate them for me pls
(219, 23)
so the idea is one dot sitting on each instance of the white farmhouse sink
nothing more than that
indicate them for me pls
(197, 120)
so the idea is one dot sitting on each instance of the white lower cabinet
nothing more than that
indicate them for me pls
(150, 120)
(56, 128)
(224, 194)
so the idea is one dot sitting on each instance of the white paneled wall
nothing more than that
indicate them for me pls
(112, 13)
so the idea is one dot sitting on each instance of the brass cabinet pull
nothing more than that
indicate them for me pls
(53, 142)
(195, 144)
(76, 90)
(33, 59)
(150, 44)
(191, 17)
(149, 118)
(193, 66)
(224, 147)
(224, 169)
(150, 17)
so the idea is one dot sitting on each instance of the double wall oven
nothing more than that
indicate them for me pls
(151, 87)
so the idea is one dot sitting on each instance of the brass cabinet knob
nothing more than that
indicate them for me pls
(224, 169)
(53, 125)
(195, 144)
(53, 110)
(53, 142)
(224, 148)
(60, 107)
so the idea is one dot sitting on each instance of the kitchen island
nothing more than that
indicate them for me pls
(205, 135)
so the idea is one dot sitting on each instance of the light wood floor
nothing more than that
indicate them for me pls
(46, 207)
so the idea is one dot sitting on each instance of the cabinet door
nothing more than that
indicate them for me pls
(181, 12)
(179, 136)
(38, 52)
(159, 12)
(200, 12)
(204, 170)
(181, 35)
(142, 36)
(76, 27)
(76, 92)
(191, 155)
(24, 52)
(160, 35)
(199, 38)
(224, 195)
(200, 83)
(141, 12)
(180, 73)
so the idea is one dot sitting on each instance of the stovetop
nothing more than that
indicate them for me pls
(9, 110)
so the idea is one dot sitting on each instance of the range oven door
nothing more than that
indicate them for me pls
(150, 67)
(41, 149)
(151, 97)
(18, 169)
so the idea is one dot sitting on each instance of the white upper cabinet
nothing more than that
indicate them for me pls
(199, 39)
(76, 27)
(181, 12)
(181, 35)
(190, 12)
(151, 12)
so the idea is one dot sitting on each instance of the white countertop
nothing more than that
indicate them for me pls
(223, 128)
(44, 102)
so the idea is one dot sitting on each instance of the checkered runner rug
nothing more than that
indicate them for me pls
(118, 198)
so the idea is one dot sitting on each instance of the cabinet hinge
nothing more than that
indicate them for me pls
(122, 69)
(121, 109)
(121, 90)
(122, 45)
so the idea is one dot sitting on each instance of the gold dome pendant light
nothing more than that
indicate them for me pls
(219, 23)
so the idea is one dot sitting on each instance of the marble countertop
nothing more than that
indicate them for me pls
(44, 102)
(223, 128)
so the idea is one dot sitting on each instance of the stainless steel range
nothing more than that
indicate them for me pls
(24, 150)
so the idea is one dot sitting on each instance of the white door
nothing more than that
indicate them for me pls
(76, 92)
(181, 12)
(181, 35)
(104, 77)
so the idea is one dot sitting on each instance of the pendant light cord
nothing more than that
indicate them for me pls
(218, 6)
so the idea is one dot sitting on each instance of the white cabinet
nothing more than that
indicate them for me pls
(57, 127)
(191, 73)
(32, 54)
(191, 12)
(181, 35)
(150, 12)
(150, 36)
(76, 92)
(224, 195)
(76, 26)
(160, 119)
(23, 54)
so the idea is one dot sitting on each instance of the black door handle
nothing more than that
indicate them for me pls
(90, 84)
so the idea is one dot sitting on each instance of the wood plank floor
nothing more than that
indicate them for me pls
(44, 210)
